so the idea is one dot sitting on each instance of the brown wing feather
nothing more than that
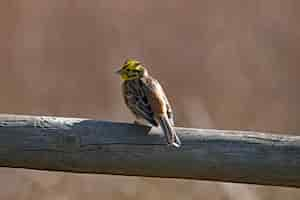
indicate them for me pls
(158, 99)
(162, 110)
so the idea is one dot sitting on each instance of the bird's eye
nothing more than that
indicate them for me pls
(127, 70)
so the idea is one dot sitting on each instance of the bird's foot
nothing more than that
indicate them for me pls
(139, 123)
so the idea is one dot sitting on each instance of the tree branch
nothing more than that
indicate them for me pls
(89, 146)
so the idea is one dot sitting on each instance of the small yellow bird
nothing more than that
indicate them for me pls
(146, 99)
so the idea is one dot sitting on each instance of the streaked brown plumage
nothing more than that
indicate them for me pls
(146, 99)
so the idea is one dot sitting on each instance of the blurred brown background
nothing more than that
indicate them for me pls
(224, 64)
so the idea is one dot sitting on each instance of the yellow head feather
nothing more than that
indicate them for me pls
(131, 69)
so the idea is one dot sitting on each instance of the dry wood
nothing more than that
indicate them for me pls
(89, 146)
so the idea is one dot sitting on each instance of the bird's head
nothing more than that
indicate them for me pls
(132, 69)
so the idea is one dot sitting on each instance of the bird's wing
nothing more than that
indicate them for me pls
(135, 95)
(161, 94)
(162, 110)
(169, 108)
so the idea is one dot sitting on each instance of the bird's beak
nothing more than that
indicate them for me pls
(118, 71)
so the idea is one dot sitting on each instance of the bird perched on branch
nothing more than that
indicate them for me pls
(146, 99)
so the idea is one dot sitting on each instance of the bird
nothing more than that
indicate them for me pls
(146, 99)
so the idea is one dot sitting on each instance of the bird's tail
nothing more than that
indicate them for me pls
(170, 134)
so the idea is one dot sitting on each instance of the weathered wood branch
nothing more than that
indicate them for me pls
(88, 146)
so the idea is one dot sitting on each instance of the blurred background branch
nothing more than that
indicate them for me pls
(89, 146)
